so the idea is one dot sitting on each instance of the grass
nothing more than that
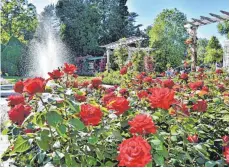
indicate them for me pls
(12, 79)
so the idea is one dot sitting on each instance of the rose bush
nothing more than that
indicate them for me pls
(146, 121)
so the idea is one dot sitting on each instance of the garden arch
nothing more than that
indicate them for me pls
(195, 24)
(127, 41)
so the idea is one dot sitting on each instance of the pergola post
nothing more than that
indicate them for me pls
(193, 47)
(108, 59)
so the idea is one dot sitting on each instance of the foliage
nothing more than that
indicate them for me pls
(167, 36)
(121, 55)
(110, 78)
(182, 126)
(214, 51)
(223, 28)
(201, 49)
(138, 60)
(18, 18)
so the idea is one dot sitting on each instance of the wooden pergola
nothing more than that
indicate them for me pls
(193, 25)
(126, 42)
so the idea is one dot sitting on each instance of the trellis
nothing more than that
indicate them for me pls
(127, 41)
(195, 24)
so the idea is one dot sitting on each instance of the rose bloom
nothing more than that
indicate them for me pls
(161, 98)
(142, 94)
(134, 152)
(221, 87)
(226, 154)
(123, 71)
(85, 84)
(90, 115)
(96, 82)
(193, 138)
(75, 84)
(106, 98)
(119, 104)
(183, 108)
(18, 87)
(200, 106)
(205, 88)
(123, 91)
(56, 74)
(219, 71)
(34, 85)
(80, 98)
(225, 139)
(184, 76)
(15, 100)
(168, 83)
(147, 79)
(19, 113)
(69, 68)
(196, 85)
(140, 77)
(142, 124)
(109, 90)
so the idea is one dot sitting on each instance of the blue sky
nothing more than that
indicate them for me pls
(149, 9)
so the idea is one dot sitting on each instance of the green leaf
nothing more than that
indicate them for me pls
(53, 118)
(70, 161)
(117, 135)
(174, 138)
(39, 119)
(159, 159)
(150, 164)
(77, 124)
(61, 129)
(99, 154)
(202, 149)
(43, 140)
(210, 163)
(5, 132)
(75, 108)
(226, 118)
(41, 157)
(93, 140)
(174, 130)
(21, 144)
(110, 164)
(157, 144)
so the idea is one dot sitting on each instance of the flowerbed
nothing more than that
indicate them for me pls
(146, 122)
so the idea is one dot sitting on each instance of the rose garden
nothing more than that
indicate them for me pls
(130, 110)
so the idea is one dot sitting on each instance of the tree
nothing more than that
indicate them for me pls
(214, 51)
(201, 49)
(18, 19)
(167, 36)
(223, 28)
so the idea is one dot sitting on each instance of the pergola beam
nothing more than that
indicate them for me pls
(217, 16)
(208, 19)
(199, 21)
(225, 12)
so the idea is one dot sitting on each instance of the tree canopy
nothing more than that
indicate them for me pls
(201, 49)
(167, 36)
(223, 28)
(18, 19)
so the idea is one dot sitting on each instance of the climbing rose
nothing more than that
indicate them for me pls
(80, 98)
(142, 94)
(96, 82)
(134, 152)
(193, 138)
(119, 104)
(196, 85)
(123, 71)
(34, 85)
(200, 106)
(56, 74)
(184, 76)
(168, 83)
(219, 71)
(142, 124)
(69, 68)
(90, 115)
(161, 98)
(18, 87)
(15, 100)
(19, 113)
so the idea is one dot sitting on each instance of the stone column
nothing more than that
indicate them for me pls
(108, 59)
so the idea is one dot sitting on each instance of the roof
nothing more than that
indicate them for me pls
(126, 41)
(94, 58)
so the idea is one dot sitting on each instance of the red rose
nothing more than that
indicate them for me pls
(219, 71)
(196, 85)
(69, 68)
(18, 87)
(15, 100)
(109, 90)
(75, 84)
(19, 113)
(56, 74)
(221, 87)
(184, 76)
(96, 82)
(123, 71)
(106, 98)
(134, 152)
(129, 64)
(205, 88)
(123, 91)
(225, 139)
(90, 115)
(183, 108)
(161, 98)
(142, 94)
(200, 106)
(168, 83)
(119, 104)
(80, 98)
(140, 77)
(142, 124)
(226, 154)
(193, 138)
(147, 79)
(85, 83)
(35, 85)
